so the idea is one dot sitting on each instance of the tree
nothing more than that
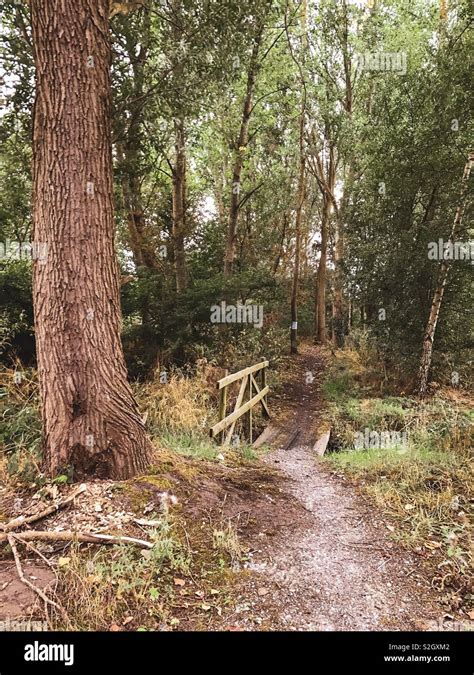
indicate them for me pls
(90, 419)
(240, 148)
(428, 339)
(301, 179)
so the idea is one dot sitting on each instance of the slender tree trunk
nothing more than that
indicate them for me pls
(428, 340)
(139, 240)
(128, 153)
(134, 238)
(179, 164)
(281, 244)
(90, 419)
(219, 180)
(321, 285)
(339, 253)
(443, 11)
(300, 63)
(338, 302)
(239, 156)
(298, 219)
(316, 288)
(179, 207)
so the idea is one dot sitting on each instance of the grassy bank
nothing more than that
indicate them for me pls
(414, 461)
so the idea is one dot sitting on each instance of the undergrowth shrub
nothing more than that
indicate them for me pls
(20, 427)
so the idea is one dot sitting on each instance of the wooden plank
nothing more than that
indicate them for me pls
(238, 403)
(292, 440)
(321, 444)
(222, 403)
(250, 419)
(263, 401)
(267, 436)
(217, 428)
(242, 373)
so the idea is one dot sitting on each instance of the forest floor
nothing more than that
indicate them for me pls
(281, 542)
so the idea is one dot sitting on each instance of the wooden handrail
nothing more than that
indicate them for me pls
(248, 384)
(233, 417)
(228, 379)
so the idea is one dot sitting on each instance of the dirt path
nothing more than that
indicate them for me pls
(335, 567)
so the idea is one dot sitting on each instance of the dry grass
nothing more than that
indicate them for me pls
(20, 430)
(226, 541)
(182, 404)
(123, 588)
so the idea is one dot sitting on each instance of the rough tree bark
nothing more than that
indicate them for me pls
(428, 339)
(90, 419)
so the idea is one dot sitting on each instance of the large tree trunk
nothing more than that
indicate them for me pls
(240, 149)
(90, 419)
(428, 340)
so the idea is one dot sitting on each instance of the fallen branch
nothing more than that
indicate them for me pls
(11, 540)
(70, 536)
(26, 520)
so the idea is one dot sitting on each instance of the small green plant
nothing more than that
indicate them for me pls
(190, 445)
(226, 541)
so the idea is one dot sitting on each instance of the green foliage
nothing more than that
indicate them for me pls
(16, 311)
(408, 131)
(190, 445)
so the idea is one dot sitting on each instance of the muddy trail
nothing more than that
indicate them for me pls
(333, 567)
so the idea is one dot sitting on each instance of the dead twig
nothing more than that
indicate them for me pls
(11, 540)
